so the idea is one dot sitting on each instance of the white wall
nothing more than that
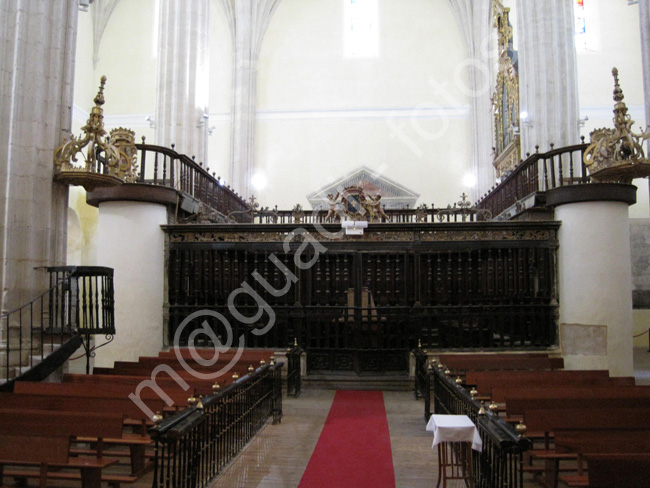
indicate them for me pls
(403, 113)
(615, 27)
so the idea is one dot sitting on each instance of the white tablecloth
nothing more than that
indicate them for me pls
(454, 428)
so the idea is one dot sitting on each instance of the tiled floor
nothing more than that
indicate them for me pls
(279, 455)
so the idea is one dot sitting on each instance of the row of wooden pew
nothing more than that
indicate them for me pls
(87, 427)
(589, 429)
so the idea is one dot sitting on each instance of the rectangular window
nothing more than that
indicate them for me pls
(361, 28)
(586, 26)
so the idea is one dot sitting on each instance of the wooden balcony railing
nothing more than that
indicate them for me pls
(164, 166)
(539, 172)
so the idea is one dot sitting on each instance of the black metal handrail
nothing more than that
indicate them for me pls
(500, 463)
(164, 166)
(294, 381)
(79, 302)
(539, 172)
(193, 446)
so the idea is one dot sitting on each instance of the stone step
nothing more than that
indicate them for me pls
(352, 381)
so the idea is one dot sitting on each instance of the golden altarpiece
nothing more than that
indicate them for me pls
(505, 100)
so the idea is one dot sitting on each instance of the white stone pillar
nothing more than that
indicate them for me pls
(644, 24)
(548, 86)
(248, 20)
(132, 243)
(475, 21)
(37, 52)
(183, 76)
(595, 285)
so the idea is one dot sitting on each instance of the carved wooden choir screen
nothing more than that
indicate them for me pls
(466, 289)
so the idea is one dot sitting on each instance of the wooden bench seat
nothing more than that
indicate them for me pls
(557, 419)
(204, 387)
(104, 390)
(500, 362)
(42, 438)
(599, 441)
(208, 353)
(489, 383)
(627, 470)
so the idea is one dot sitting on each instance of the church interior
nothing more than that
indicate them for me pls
(251, 242)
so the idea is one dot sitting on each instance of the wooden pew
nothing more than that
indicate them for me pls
(37, 450)
(133, 416)
(203, 387)
(501, 362)
(618, 470)
(140, 369)
(599, 441)
(244, 361)
(486, 381)
(516, 407)
(555, 419)
(209, 353)
(104, 390)
(21, 425)
(501, 393)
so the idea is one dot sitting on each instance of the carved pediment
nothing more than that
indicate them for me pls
(393, 195)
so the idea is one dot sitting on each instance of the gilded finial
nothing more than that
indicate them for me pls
(481, 411)
(618, 93)
(617, 155)
(521, 428)
(99, 98)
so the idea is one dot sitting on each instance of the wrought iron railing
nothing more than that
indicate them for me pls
(294, 381)
(79, 303)
(194, 445)
(164, 166)
(500, 463)
(539, 172)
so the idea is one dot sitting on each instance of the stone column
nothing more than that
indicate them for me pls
(183, 76)
(248, 20)
(37, 52)
(644, 24)
(132, 243)
(475, 21)
(595, 276)
(548, 87)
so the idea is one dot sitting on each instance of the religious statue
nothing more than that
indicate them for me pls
(334, 206)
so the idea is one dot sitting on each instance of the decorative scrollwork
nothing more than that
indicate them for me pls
(616, 155)
(103, 163)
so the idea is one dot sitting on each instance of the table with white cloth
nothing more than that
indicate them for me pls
(455, 436)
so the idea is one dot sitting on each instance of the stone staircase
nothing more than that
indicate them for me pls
(23, 352)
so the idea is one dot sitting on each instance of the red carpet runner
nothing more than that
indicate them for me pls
(353, 449)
